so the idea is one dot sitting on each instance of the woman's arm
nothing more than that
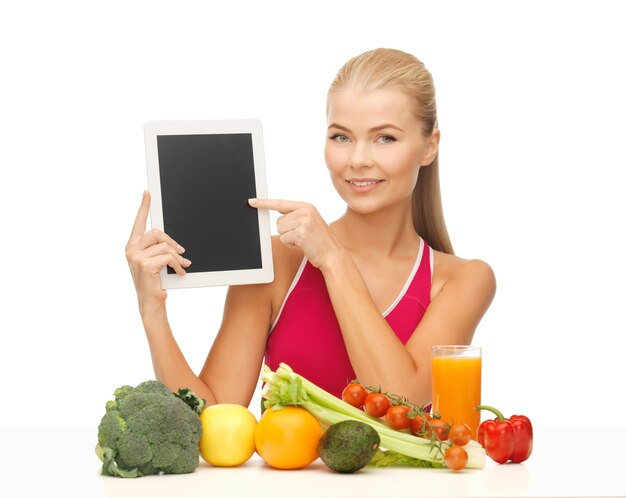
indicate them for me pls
(232, 368)
(377, 355)
(231, 371)
(168, 361)
(233, 365)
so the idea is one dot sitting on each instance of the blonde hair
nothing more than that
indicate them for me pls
(385, 68)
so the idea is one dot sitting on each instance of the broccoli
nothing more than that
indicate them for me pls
(149, 430)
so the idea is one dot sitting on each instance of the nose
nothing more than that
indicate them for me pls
(360, 157)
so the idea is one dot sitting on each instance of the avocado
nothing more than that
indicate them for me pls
(348, 446)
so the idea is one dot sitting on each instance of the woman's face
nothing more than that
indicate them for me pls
(375, 147)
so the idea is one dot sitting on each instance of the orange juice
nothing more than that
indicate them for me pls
(456, 389)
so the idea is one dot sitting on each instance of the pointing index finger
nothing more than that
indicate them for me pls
(279, 205)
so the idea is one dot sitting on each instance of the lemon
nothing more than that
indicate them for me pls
(227, 434)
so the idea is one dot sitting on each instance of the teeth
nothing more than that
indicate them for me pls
(363, 184)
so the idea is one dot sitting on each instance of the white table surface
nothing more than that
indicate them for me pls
(60, 461)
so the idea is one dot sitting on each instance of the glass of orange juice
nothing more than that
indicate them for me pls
(456, 377)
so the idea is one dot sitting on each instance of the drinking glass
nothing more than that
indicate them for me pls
(456, 379)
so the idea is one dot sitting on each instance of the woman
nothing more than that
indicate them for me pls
(364, 297)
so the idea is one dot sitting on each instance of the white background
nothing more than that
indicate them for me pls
(531, 108)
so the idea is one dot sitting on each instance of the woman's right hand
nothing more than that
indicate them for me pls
(147, 253)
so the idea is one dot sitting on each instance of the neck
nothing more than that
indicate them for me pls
(383, 233)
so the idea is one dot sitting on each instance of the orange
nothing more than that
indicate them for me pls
(287, 438)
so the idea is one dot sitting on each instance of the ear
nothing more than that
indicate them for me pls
(432, 146)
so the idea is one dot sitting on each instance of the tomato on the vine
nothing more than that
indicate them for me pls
(354, 394)
(416, 425)
(460, 434)
(455, 457)
(439, 427)
(396, 416)
(376, 404)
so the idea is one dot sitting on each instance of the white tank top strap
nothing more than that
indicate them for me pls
(294, 282)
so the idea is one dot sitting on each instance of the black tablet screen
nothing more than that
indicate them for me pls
(206, 181)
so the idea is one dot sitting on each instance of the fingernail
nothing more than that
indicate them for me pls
(181, 249)
(252, 202)
(186, 261)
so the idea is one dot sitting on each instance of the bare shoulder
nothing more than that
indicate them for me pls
(469, 275)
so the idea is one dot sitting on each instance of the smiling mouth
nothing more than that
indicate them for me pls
(363, 183)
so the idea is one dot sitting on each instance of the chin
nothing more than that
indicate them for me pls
(364, 206)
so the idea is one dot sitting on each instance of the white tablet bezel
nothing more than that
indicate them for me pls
(152, 129)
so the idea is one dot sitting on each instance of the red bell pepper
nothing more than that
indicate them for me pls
(506, 439)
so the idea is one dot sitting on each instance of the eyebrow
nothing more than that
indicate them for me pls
(371, 130)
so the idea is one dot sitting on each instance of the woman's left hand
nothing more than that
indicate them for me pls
(302, 226)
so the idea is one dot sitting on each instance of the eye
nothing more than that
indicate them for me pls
(338, 137)
(386, 139)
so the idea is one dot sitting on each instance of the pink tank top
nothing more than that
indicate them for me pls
(306, 333)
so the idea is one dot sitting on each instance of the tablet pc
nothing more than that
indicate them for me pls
(201, 175)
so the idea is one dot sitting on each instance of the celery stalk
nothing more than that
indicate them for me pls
(285, 387)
